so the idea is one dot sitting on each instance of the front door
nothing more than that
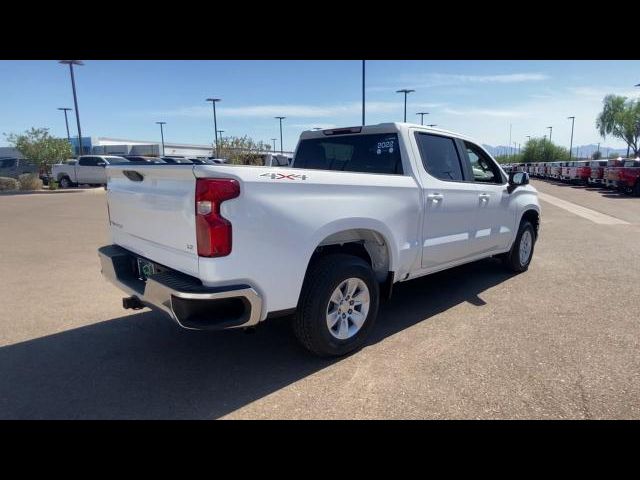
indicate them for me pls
(495, 216)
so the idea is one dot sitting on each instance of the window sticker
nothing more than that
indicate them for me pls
(385, 146)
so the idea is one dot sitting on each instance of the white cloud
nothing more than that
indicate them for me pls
(429, 80)
(293, 110)
(483, 112)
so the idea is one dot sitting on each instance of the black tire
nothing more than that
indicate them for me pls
(310, 320)
(636, 189)
(65, 182)
(511, 259)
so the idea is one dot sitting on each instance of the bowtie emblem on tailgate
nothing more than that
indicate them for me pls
(282, 176)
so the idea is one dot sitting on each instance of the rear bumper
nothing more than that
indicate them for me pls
(184, 298)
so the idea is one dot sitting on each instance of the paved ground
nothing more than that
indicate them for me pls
(560, 341)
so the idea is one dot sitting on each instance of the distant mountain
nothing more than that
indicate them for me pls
(578, 151)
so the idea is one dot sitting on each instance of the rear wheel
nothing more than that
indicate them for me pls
(636, 189)
(65, 182)
(519, 257)
(338, 305)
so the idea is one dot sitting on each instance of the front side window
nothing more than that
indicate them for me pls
(483, 168)
(440, 156)
(374, 153)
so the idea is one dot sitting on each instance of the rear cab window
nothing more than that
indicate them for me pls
(370, 153)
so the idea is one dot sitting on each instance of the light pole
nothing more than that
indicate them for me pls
(406, 92)
(550, 133)
(274, 143)
(215, 121)
(221, 132)
(573, 119)
(363, 93)
(281, 118)
(422, 114)
(71, 63)
(66, 121)
(162, 134)
(510, 125)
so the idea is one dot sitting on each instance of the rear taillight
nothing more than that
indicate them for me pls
(213, 231)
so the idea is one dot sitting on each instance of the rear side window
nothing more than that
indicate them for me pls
(440, 156)
(376, 153)
(88, 161)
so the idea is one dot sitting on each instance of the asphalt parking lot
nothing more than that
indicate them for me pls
(559, 341)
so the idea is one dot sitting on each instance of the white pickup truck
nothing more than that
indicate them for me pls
(323, 241)
(88, 169)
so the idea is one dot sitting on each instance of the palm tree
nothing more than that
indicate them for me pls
(620, 118)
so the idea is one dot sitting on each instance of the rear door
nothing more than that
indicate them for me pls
(449, 201)
(88, 170)
(152, 213)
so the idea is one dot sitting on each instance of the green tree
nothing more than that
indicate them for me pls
(597, 155)
(542, 150)
(620, 118)
(242, 150)
(38, 146)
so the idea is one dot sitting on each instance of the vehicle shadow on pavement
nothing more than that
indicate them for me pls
(142, 366)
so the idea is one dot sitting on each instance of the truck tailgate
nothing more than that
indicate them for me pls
(152, 213)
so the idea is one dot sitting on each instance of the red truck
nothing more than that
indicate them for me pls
(610, 175)
(596, 176)
(579, 172)
(629, 177)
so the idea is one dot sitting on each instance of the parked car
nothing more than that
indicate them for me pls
(361, 209)
(176, 160)
(610, 174)
(89, 169)
(14, 167)
(554, 169)
(143, 159)
(629, 177)
(579, 172)
(597, 172)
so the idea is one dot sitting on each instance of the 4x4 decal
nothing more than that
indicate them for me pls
(282, 176)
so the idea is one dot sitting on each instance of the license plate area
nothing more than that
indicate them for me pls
(144, 268)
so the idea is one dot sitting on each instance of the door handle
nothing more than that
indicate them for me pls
(435, 197)
(484, 197)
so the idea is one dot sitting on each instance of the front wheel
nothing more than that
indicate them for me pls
(338, 305)
(519, 257)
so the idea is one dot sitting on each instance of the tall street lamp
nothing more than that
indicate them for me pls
(221, 132)
(406, 92)
(71, 63)
(215, 121)
(363, 93)
(162, 134)
(281, 118)
(422, 114)
(573, 119)
(66, 121)
(550, 133)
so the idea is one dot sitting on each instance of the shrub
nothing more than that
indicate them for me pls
(8, 184)
(53, 185)
(30, 181)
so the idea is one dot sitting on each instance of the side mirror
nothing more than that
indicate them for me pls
(517, 179)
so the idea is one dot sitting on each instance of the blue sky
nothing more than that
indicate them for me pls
(123, 99)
